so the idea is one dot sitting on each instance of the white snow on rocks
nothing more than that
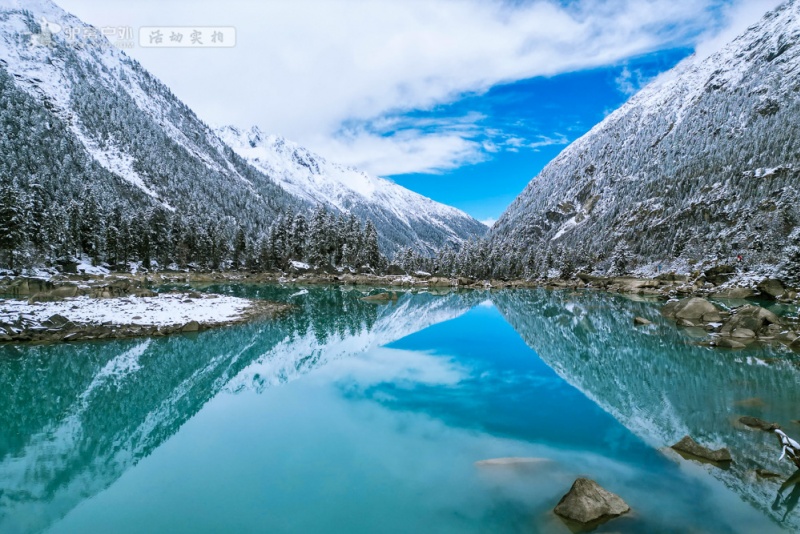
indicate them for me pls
(161, 310)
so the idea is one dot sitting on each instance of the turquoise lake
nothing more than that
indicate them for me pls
(353, 417)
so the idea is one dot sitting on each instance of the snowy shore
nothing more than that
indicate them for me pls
(98, 318)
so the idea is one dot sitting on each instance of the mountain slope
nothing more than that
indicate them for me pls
(700, 166)
(122, 122)
(403, 218)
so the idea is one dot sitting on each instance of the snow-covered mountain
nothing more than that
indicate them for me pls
(700, 166)
(403, 218)
(104, 122)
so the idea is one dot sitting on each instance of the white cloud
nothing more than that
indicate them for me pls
(737, 17)
(328, 73)
(489, 222)
(406, 151)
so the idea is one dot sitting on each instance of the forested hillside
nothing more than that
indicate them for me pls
(700, 168)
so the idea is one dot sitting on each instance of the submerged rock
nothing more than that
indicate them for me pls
(689, 446)
(588, 502)
(765, 473)
(380, 297)
(640, 321)
(512, 460)
(728, 343)
(760, 424)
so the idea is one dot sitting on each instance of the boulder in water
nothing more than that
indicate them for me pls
(588, 502)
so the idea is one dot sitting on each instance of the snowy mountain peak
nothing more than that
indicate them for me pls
(403, 218)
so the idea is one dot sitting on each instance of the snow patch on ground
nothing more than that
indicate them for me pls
(88, 268)
(162, 310)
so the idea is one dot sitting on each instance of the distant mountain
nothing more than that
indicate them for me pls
(403, 218)
(700, 166)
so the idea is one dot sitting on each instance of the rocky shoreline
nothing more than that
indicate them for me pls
(666, 286)
(732, 328)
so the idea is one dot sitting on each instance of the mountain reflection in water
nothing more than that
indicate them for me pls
(76, 417)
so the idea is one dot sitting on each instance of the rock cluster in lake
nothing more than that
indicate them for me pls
(734, 329)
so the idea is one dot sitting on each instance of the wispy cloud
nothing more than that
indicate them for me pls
(629, 81)
(543, 141)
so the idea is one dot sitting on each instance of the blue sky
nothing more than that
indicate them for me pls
(526, 124)
(460, 100)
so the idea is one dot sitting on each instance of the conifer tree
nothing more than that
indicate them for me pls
(12, 224)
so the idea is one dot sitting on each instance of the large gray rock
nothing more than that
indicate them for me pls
(689, 308)
(689, 446)
(771, 288)
(587, 502)
(750, 317)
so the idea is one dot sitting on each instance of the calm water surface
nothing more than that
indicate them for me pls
(353, 417)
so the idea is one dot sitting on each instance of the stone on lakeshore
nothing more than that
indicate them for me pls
(720, 274)
(743, 333)
(689, 308)
(752, 318)
(714, 317)
(689, 446)
(191, 326)
(56, 320)
(587, 502)
(772, 288)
